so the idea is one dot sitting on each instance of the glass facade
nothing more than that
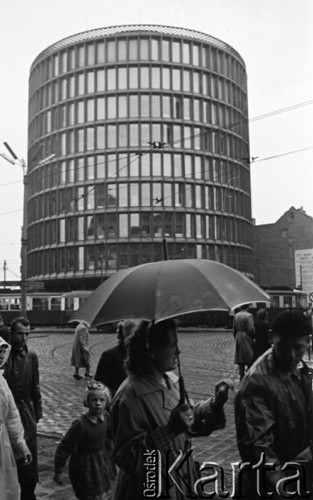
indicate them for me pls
(148, 126)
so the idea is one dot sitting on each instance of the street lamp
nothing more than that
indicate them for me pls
(21, 163)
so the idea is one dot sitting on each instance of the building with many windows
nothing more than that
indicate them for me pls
(148, 128)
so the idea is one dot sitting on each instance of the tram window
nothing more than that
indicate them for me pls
(4, 304)
(275, 300)
(15, 304)
(69, 303)
(287, 301)
(301, 301)
(55, 304)
(40, 304)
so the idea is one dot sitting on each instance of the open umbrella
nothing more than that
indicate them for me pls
(168, 289)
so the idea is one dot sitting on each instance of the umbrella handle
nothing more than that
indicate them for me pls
(183, 396)
(182, 392)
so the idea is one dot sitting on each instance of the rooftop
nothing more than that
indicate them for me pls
(135, 28)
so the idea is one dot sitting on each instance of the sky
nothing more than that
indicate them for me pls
(275, 39)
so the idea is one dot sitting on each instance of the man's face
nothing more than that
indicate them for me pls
(289, 351)
(20, 336)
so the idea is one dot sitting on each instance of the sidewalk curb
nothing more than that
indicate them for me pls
(50, 435)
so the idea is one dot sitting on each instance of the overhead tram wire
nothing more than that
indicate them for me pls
(235, 170)
(9, 183)
(150, 151)
(12, 211)
(283, 154)
(235, 124)
(282, 110)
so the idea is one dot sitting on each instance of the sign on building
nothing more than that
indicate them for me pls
(304, 270)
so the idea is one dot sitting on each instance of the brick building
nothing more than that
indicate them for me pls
(275, 246)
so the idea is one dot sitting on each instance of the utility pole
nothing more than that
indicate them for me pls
(4, 273)
(301, 278)
(24, 245)
(101, 257)
(165, 252)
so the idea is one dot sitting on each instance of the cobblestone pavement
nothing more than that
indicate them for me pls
(206, 357)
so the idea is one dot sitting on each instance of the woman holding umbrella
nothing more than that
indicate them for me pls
(152, 425)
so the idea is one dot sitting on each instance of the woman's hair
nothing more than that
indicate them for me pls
(147, 338)
(94, 385)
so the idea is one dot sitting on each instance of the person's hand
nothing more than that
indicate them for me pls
(58, 477)
(221, 394)
(26, 459)
(181, 420)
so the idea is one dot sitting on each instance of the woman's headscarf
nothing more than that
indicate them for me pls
(3, 343)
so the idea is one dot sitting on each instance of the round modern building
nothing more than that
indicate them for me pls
(138, 150)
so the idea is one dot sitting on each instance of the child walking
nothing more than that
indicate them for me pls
(87, 443)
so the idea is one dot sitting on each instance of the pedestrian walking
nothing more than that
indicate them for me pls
(149, 424)
(261, 333)
(22, 375)
(243, 330)
(111, 367)
(86, 443)
(80, 351)
(12, 443)
(273, 412)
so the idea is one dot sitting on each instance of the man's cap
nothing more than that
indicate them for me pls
(291, 324)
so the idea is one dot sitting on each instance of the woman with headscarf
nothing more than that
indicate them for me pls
(12, 443)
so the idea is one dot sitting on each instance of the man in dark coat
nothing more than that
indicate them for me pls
(273, 412)
(261, 333)
(22, 375)
(110, 370)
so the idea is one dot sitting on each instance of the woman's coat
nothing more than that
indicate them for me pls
(140, 412)
(12, 443)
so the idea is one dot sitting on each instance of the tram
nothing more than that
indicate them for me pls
(56, 309)
(281, 298)
(43, 308)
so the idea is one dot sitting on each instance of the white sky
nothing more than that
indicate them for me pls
(274, 37)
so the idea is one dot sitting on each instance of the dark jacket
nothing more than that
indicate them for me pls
(273, 413)
(110, 370)
(5, 333)
(22, 375)
(85, 443)
(261, 337)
